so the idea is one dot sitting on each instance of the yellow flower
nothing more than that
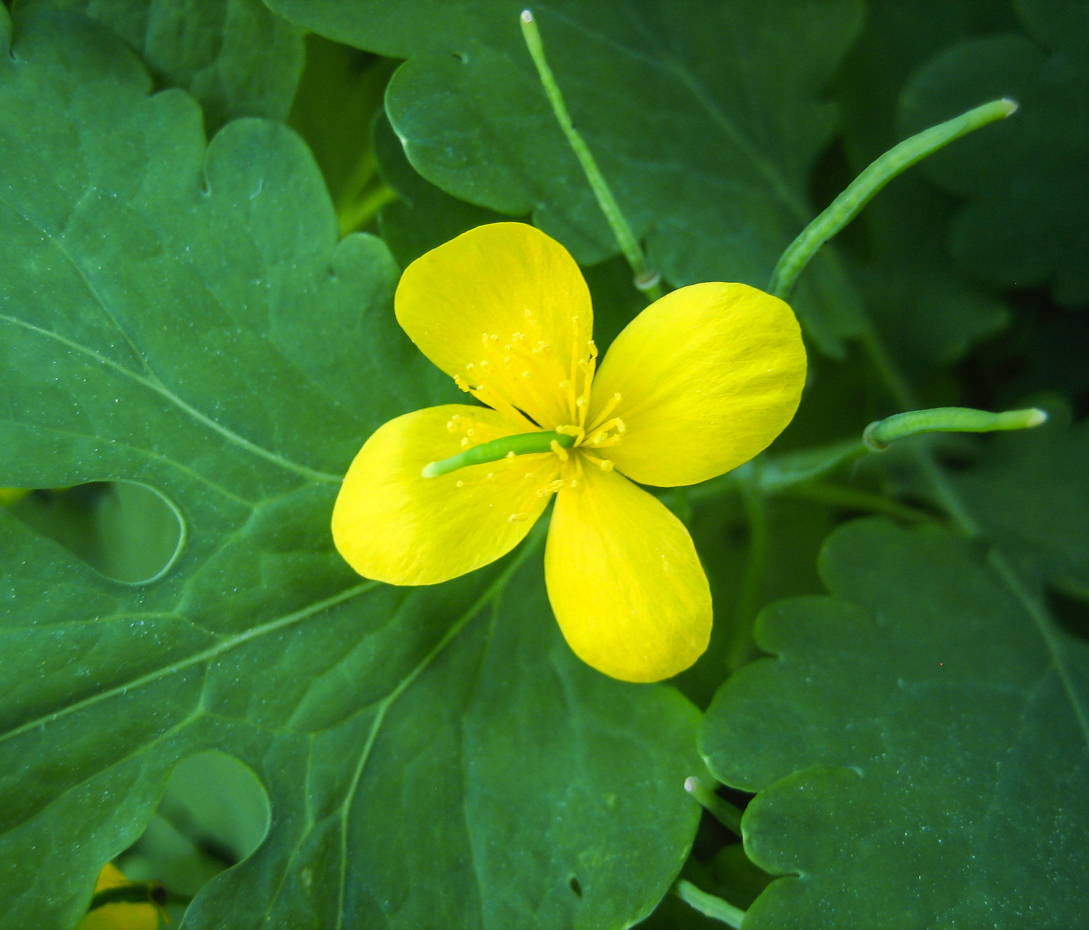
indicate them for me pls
(700, 382)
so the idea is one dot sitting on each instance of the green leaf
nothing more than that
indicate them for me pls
(1024, 224)
(1030, 495)
(920, 743)
(705, 123)
(235, 56)
(187, 318)
(424, 216)
(927, 310)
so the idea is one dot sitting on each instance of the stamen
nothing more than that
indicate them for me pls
(518, 518)
(551, 488)
(559, 450)
(610, 406)
(600, 436)
(603, 464)
(577, 431)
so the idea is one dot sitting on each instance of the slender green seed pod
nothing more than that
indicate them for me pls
(521, 444)
(878, 435)
(646, 279)
(860, 191)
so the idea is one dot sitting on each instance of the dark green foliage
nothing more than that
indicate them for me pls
(197, 327)
(1024, 223)
(194, 344)
(919, 742)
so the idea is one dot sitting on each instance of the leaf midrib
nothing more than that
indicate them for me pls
(168, 395)
(198, 658)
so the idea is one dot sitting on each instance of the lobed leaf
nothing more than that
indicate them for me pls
(919, 742)
(705, 120)
(185, 317)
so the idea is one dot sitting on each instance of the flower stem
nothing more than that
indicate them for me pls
(838, 496)
(879, 434)
(708, 904)
(504, 447)
(721, 809)
(859, 192)
(751, 593)
(359, 213)
(647, 280)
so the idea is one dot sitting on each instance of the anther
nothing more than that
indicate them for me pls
(509, 455)
(464, 441)
(559, 450)
(518, 518)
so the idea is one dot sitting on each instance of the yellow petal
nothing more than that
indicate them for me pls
(708, 376)
(506, 308)
(394, 525)
(122, 915)
(624, 580)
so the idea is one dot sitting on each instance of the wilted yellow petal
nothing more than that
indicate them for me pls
(394, 525)
(708, 376)
(624, 580)
(505, 307)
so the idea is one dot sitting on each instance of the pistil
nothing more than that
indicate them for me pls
(504, 447)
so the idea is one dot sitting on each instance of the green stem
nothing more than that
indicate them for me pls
(895, 161)
(355, 216)
(647, 280)
(839, 496)
(879, 434)
(709, 905)
(504, 447)
(751, 590)
(722, 810)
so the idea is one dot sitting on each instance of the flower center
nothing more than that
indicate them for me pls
(523, 370)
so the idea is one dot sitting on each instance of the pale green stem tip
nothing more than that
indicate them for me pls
(862, 189)
(722, 810)
(709, 905)
(506, 447)
(878, 435)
